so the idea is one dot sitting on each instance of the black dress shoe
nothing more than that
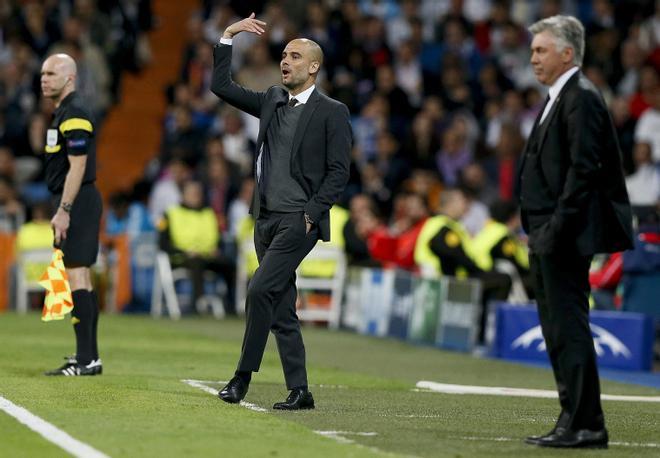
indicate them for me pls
(234, 391)
(534, 440)
(298, 399)
(583, 438)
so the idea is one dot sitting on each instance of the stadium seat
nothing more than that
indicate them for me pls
(641, 273)
(164, 288)
(333, 284)
(518, 295)
(30, 265)
(641, 292)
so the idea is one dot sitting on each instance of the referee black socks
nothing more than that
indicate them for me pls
(82, 317)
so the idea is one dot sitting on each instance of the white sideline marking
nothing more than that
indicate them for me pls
(518, 392)
(339, 435)
(635, 444)
(200, 384)
(336, 435)
(492, 439)
(50, 432)
(342, 387)
(512, 439)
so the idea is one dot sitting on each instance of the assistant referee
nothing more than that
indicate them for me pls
(70, 167)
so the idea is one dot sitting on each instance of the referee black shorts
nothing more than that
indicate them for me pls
(81, 245)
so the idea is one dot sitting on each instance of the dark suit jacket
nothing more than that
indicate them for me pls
(321, 147)
(572, 190)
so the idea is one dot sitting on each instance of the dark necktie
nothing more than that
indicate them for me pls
(292, 102)
(545, 105)
(540, 115)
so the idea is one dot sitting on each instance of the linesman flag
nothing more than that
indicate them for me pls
(58, 301)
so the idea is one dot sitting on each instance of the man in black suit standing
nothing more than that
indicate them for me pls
(574, 204)
(302, 167)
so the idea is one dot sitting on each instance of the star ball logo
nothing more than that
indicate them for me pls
(602, 339)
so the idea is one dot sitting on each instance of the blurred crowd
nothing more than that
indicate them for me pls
(106, 38)
(441, 94)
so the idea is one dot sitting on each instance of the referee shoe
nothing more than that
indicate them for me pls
(72, 369)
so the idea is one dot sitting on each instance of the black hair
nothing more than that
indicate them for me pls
(503, 210)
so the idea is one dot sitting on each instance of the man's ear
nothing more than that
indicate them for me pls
(567, 55)
(314, 67)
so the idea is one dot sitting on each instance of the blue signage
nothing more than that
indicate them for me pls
(622, 340)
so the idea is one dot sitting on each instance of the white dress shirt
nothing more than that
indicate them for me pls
(303, 97)
(556, 88)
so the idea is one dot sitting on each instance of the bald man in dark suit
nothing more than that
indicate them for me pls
(302, 167)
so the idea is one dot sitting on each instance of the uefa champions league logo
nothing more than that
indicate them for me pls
(602, 339)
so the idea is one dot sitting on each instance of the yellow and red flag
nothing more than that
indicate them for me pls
(58, 301)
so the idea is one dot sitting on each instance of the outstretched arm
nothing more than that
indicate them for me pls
(222, 85)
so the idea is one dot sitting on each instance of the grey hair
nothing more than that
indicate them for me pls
(568, 32)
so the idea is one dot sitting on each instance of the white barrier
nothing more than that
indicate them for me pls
(334, 285)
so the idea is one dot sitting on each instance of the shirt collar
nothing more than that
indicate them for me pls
(66, 100)
(556, 88)
(303, 97)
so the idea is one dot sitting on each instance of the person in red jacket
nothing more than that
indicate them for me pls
(395, 246)
(604, 280)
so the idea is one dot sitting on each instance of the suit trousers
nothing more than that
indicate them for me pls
(562, 294)
(282, 243)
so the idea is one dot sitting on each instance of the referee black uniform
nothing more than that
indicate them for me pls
(71, 133)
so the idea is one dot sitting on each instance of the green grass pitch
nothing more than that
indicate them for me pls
(364, 388)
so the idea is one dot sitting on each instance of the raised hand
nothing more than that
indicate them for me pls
(249, 24)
